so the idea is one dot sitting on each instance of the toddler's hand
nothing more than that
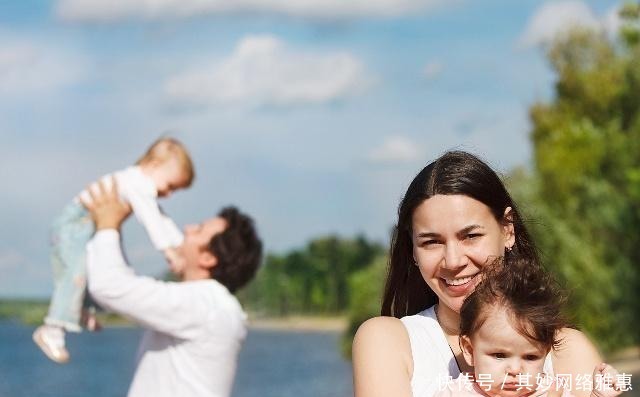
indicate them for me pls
(176, 261)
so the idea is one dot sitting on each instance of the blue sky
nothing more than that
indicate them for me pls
(311, 115)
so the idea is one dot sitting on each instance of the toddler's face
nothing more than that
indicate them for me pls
(168, 177)
(508, 361)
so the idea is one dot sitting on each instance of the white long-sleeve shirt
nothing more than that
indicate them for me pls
(194, 328)
(138, 189)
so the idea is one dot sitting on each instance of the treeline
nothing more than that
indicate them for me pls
(312, 280)
(27, 311)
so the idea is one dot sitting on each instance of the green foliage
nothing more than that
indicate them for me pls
(630, 30)
(585, 187)
(312, 280)
(30, 312)
(366, 288)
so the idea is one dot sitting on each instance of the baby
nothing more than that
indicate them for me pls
(508, 327)
(164, 168)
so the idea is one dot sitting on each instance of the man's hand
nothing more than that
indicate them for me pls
(105, 207)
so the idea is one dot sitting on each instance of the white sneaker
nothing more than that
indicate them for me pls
(51, 341)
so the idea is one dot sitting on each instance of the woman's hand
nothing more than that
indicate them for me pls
(605, 381)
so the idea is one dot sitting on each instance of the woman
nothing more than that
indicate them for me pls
(455, 218)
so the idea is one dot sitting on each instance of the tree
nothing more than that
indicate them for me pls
(366, 287)
(586, 179)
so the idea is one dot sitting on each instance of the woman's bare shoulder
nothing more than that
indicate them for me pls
(384, 334)
(389, 327)
(382, 359)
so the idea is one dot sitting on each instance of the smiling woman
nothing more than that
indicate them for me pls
(455, 218)
(453, 238)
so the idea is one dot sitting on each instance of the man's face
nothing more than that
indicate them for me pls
(196, 238)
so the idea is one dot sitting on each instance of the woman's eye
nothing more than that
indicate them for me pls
(430, 242)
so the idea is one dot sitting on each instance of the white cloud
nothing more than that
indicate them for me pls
(113, 10)
(612, 22)
(432, 69)
(395, 149)
(263, 71)
(29, 67)
(555, 18)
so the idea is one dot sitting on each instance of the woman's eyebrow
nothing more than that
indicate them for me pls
(468, 229)
(428, 235)
(463, 231)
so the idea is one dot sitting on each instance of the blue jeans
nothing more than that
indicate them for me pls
(71, 232)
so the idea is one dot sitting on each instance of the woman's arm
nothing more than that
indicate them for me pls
(382, 361)
(576, 356)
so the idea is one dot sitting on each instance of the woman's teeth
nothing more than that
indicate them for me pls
(457, 281)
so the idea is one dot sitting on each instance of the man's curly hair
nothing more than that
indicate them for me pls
(238, 250)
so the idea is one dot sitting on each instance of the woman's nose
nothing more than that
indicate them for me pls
(453, 256)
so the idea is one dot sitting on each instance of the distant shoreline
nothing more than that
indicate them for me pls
(299, 323)
(31, 312)
(291, 323)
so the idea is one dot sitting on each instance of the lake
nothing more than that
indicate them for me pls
(272, 364)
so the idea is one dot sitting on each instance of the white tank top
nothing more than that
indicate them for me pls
(433, 360)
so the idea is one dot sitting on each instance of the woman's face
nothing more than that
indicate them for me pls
(454, 237)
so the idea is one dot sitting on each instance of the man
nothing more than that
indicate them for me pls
(195, 327)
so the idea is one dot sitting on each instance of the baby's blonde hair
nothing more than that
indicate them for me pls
(169, 148)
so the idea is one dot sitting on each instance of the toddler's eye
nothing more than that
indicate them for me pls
(499, 355)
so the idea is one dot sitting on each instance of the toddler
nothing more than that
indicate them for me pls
(508, 327)
(164, 168)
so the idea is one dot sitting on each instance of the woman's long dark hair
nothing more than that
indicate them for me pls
(455, 172)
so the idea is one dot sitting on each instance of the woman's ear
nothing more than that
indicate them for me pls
(467, 349)
(508, 229)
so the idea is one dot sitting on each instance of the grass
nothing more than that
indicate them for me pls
(33, 311)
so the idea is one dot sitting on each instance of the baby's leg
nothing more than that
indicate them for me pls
(50, 337)
(70, 274)
(70, 235)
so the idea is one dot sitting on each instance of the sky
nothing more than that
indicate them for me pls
(311, 115)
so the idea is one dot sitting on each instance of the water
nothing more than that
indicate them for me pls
(272, 364)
